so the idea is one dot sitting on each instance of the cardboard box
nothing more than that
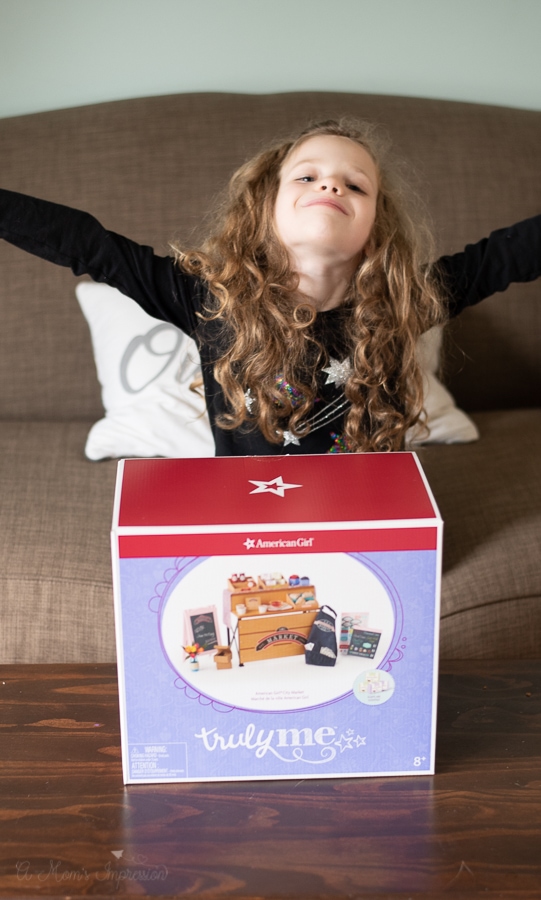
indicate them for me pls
(245, 553)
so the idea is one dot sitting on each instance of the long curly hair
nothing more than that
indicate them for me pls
(268, 331)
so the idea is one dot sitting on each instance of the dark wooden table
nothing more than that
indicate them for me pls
(69, 827)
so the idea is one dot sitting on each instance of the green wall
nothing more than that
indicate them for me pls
(56, 53)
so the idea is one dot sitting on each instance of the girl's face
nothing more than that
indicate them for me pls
(326, 201)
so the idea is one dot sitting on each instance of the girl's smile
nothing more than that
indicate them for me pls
(327, 201)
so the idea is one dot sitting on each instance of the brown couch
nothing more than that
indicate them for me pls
(149, 168)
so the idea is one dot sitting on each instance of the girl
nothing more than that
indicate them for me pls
(308, 300)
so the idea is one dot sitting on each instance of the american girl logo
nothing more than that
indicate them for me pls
(278, 543)
(290, 745)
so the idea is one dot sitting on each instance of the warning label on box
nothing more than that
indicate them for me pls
(150, 761)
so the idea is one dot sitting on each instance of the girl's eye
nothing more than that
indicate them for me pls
(355, 187)
(306, 178)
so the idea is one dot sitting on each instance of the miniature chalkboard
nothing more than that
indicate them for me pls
(364, 643)
(201, 627)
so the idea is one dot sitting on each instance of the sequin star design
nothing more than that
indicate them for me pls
(248, 400)
(338, 372)
(289, 438)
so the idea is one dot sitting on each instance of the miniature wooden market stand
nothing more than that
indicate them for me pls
(267, 621)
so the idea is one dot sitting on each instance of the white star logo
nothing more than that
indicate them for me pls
(249, 543)
(266, 487)
(344, 743)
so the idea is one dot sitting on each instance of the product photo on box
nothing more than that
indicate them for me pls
(276, 617)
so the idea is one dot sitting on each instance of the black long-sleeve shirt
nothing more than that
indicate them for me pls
(77, 240)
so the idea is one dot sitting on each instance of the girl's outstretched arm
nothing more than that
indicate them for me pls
(491, 265)
(69, 237)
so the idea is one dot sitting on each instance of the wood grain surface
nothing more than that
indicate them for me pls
(69, 827)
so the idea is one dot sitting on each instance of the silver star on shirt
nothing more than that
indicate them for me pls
(338, 372)
(248, 400)
(290, 438)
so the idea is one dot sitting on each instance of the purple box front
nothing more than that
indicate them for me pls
(264, 583)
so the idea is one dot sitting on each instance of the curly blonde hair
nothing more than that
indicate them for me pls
(391, 300)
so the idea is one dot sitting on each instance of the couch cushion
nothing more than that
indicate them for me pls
(55, 570)
(489, 495)
(56, 589)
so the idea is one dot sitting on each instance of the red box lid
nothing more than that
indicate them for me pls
(270, 489)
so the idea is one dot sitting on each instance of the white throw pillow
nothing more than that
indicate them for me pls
(446, 423)
(145, 368)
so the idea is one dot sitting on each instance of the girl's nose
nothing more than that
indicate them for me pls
(329, 186)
